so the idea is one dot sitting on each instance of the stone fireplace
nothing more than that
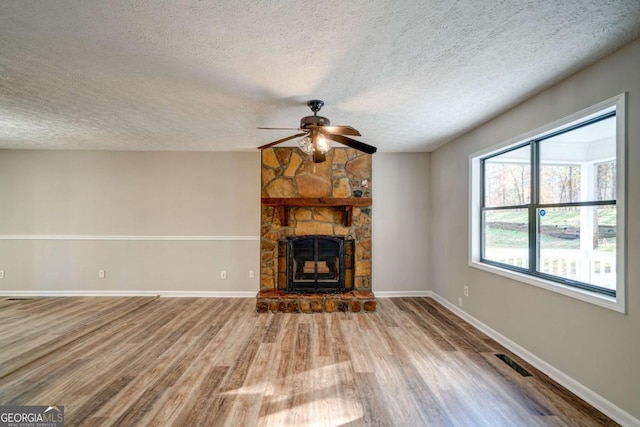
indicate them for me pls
(315, 244)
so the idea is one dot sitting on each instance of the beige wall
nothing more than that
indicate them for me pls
(597, 347)
(137, 195)
(400, 258)
(94, 194)
(129, 193)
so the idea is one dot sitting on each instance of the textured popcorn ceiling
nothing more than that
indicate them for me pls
(202, 75)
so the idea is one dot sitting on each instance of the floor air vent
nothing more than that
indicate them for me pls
(514, 365)
(19, 299)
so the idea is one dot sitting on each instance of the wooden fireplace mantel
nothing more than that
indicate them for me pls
(346, 203)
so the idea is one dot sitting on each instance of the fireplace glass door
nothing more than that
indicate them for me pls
(315, 264)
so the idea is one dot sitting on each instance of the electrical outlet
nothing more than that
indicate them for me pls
(460, 301)
(252, 274)
(466, 291)
(100, 274)
(223, 274)
(1, 274)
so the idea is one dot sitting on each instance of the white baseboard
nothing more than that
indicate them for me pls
(178, 294)
(206, 294)
(609, 409)
(400, 294)
(192, 294)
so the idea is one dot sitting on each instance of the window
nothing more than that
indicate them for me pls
(550, 207)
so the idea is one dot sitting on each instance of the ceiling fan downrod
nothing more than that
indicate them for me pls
(309, 122)
(315, 105)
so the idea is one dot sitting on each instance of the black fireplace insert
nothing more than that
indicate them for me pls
(315, 264)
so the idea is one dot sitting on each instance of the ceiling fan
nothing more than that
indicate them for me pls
(316, 133)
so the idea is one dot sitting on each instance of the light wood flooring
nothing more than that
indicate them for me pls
(215, 362)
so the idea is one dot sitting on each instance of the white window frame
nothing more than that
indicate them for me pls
(617, 303)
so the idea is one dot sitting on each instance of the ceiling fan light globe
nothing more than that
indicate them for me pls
(306, 145)
(323, 144)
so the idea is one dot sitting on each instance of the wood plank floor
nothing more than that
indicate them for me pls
(215, 362)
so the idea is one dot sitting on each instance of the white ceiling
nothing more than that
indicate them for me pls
(202, 75)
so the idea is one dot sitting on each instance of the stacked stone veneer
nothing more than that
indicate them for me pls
(354, 302)
(288, 172)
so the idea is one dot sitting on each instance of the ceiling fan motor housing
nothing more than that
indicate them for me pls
(313, 121)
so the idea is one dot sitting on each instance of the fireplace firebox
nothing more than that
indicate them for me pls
(315, 264)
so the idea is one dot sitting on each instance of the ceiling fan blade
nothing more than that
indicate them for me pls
(271, 144)
(318, 156)
(280, 128)
(361, 146)
(341, 130)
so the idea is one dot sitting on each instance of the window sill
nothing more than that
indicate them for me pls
(615, 304)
